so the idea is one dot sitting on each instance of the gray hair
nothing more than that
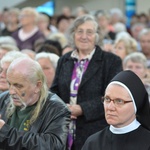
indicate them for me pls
(136, 57)
(134, 26)
(118, 12)
(145, 31)
(29, 52)
(32, 11)
(7, 40)
(11, 56)
(53, 58)
(119, 27)
(79, 21)
(9, 47)
(129, 43)
(34, 73)
(60, 37)
(15, 11)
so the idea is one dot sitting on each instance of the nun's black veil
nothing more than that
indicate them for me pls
(140, 95)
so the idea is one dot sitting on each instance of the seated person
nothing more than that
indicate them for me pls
(29, 35)
(4, 64)
(48, 62)
(127, 111)
(31, 117)
(137, 62)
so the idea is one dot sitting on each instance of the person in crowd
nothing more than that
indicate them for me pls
(53, 20)
(81, 78)
(119, 27)
(106, 30)
(80, 11)
(143, 18)
(66, 49)
(48, 62)
(49, 49)
(123, 34)
(135, 31)
(4, 64)
(127, 112)
(134, 20)
(4, 17)
(62, 23)
(29, 52)
(124, 46)
(5, 48)
(66, 11)
(43, 23)
(60, 37)
(31, 117)
(116, 15)
(7, 40)
(29, 34)
(137, 63)
(13, 22)
(144, 38)
(54, 43)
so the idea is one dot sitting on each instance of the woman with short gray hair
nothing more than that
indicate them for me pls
(81, 78)
(137, 62)
(48, 62)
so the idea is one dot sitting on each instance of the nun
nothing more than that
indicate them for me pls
(127, 111)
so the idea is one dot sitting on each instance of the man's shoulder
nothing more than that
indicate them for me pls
(55, 104)
(55, 99)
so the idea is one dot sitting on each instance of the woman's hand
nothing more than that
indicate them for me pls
(76, 110)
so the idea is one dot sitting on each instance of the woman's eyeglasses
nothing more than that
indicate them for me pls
(118, 102)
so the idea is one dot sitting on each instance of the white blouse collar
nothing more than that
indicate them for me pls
(132, 126)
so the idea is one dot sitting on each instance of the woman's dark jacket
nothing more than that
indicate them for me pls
(48, 132)
(101, 69)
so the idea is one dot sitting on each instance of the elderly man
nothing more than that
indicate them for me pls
(31, 117)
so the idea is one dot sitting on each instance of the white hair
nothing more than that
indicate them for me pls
(119, 27)
(11, 56)
(51, 56)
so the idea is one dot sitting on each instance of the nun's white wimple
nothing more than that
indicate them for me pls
(123, 85)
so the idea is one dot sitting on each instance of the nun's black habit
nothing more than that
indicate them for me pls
(136, 139)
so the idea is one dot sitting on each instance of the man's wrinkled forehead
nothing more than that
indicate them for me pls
(20, 65)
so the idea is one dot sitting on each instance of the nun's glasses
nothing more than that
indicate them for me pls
(118, 102)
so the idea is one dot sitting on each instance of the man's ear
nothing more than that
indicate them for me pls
(38, 86)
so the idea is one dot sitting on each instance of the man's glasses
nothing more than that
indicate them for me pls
(118, 102)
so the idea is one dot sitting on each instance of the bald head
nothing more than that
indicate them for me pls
(22, 64)
(25, 67)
